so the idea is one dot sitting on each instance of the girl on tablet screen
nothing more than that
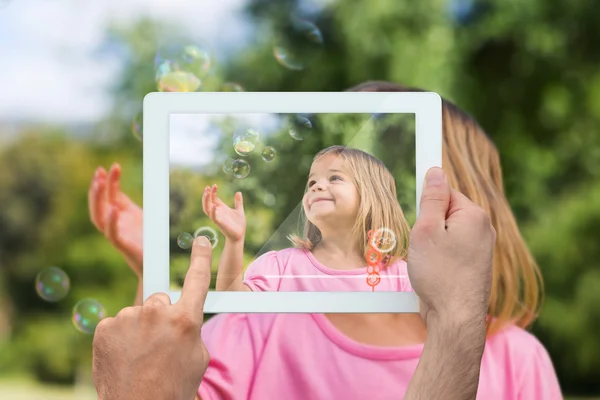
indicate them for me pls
(355, 236)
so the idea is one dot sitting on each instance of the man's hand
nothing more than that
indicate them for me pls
(450, 269)
(450, 254)
(155, 351)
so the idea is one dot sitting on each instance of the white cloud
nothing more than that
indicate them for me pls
(48, 73)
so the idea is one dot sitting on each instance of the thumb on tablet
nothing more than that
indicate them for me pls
(435, 199)
(197, 279)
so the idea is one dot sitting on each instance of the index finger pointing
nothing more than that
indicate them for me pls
(197, 279)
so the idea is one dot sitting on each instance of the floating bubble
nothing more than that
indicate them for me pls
(231, 87)
(244, 141)
(269, 200)
(372, 269)
(52, 284)
(137, 127)
(373, 279)
(297, 44)
(210, 233)
(240, 169)
(228, 166)
(373, 257)
(181, 67)
(299, 127)
(185, 240)
(87, 314)
(383, 240)
(268, 154)
(178, 81)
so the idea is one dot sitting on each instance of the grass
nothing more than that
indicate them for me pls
(27, 389)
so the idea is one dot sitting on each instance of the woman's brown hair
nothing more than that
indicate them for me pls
(472, 164)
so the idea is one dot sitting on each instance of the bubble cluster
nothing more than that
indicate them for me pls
(240, 168)
(87, 314)
(245, 140)
(231, 87)
(210, 233)
(185, 240)
(299, 127)
(182, 67)
(268, 154)
(137, 127)
(297, 43)
(373, 258)
(52, 284)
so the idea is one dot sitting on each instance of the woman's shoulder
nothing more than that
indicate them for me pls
(516, 338)
(521, 357)
(519, 348)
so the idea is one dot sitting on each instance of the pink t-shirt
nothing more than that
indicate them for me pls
(304, 357)
(294, 270)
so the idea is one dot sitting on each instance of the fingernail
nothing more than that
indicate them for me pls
(201, 241)
(435, 177)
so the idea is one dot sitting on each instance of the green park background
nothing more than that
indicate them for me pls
(528, 71)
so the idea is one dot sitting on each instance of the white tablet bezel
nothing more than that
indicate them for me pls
(158, 107)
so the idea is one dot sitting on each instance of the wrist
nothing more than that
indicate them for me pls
(234, 240)
(458, 330)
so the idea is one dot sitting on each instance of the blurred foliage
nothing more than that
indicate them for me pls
(527, 71)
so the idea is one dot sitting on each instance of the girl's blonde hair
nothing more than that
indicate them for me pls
(472, 164)
(379, 209)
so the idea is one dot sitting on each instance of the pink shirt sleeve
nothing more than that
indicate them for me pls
(264, 274)
(538, 377)
(235, 345)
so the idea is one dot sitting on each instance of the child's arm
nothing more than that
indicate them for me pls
(232, 223)
(230, 275)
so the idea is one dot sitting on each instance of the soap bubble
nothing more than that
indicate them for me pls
(137, 127)
(268, 154)
(228, 166)
(210, 233)
(240, 169)
(245, 140)
(52, 284)
(231, 87)
(383, 240)
(299, 127)
(297, 44)
(373, 279)
(181, 68)
(87, 314)
(269, 200)
(185, 240)
(178, 81)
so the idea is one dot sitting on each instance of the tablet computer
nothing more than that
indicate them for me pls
(325, 178)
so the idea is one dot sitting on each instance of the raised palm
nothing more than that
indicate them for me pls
(117, 216)
(231, 221)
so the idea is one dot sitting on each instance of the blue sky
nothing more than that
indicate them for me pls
(47, 72)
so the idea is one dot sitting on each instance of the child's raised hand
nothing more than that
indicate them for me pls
(117, 216)
(231, 221)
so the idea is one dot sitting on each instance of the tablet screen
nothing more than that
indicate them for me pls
(327, 199)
